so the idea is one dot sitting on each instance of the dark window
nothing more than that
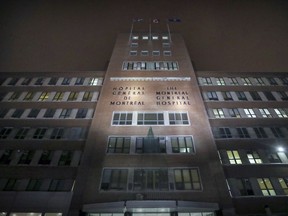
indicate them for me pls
(4, 132)
(3, 112)
(17, 113)
(243, 133)
(178, 119)
(39, 81)
(277, 132)
(255, 95)
(65, 113)
(66, 158)
(241, 95)
(245, 187)
(26, 157)
(79, 81)
(21, 133)
(33, 113)
(223, 133)
(26, 81)
(39, 133)
(57, 133)
(260, 132)
(283, 95)
(119, 145)
(53, 81)
(212, 96)
(234, 112)
(122, 119)
(284, 80)
(6, 157)
(34, 185)
(150, 145)
(49, 113)
(271, 81)
(66, 81)
(269, 95)
(46, 157)
(81, 113)
(114, 179)
(227, 96)
(13, 81)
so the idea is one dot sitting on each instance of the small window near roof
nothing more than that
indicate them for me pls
(145, 37)
(134, 37)
(156, 53)
(165, 37)
(154, 37)
(144, 53)
(167, 53)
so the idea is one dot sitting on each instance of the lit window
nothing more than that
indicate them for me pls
(44, 96)
(93, 81)
(114, 179)
(206, 81)
(284, 184)
(246, 81)
(135, 37)
(154, 37)
(220, 81)
(218, 113)
(265, 113)
(187, 179)
(254, 157)
(233, 157)
(281, 113)
(119, 145)
(58, 96)
(165, 37)
(182, 144)
(266, 187)
(87, 96)
(145, 37)
(250, 113)
(73, 96)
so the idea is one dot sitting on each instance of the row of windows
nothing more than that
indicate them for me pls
(150, 65)
(250, 132)
(47, 113)
(245, 96)
(159, 79)
(135, 44)
(72, 133)
(171, 144)
(259, 156)
(153, 53)
(13, 184)
(260, 81)
(151, 179)
(248, 113)
(147, 37)
(30, 214)
(39, 157)
(258, 186)
(149, 118)
(39, 81)
(49, 96)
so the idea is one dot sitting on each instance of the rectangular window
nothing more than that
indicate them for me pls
(94, 81)
(144, 53)
(227, 96)
(6, 157)
(57, 133)
(253, 157)
(241, 95)
(167, 53)
(122, 118)
(220, 81)
(150, 145)
(284, 80)
(87, 96)
(44, 96)
(182, 144)
(46, 158)
(269, 96)
(65, 113)
(259, 81)
(243, 133)
(255, 95)
(266, 187)
(49, 113)
(22, 133)
(13, 81)
(39, 133)
(150, 179)
(233, 157)
(11, 184)
(245, 187)
(3, 112)
(58, 96)
(178, 118)
(283, 95)
(260, 132)
(155, 53)
(53, 81)
(284, 184)
(14, 96)
(134, 44)
(150, 119)
(34, 185)
(233, 81)
(29, 96)
(277, 132)
(234, 113)
(187, 179)
(150, 65)
(133, 53)
(250, 113)
(281, 113)
(212, 95)
(265, 113)
(114, 179)
(26, 157)
(73, 96)
(271, 81)
(79, 81)
(273, 157)
(59, 185)
(4, 132)
(39, 81)
(246, 81)
(17, 113)
(81, 113)
(66, 158)
(206, 81)
(119, 145)
(218, 113)
(66, 81)
(26, 81)
(223, 133)
(33, 113)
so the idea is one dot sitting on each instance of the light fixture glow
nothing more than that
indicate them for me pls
(280, 149)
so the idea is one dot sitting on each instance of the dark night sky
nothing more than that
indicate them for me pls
(51, 35)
